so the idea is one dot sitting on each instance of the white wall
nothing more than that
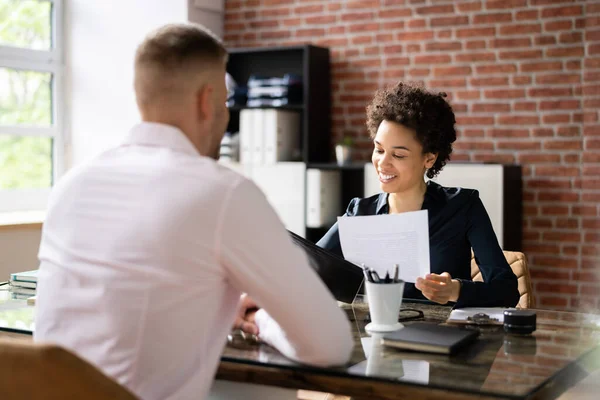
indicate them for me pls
(101, 38)
(19, 248)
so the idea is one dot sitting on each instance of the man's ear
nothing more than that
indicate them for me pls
(430, 159)
(204, 97)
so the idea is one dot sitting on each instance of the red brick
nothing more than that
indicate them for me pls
(518, 119)
(311, 9)
(362, 39)
(517, 42)
(395, 74)
(495, 158)
(521, 80)
(564, 52)
(397, 61)
(558, 196)
(559, 275)
(555, 210)
(545, 183)
(433, 59)
(415, 36)
(336, 30)
(543, 132)
(560, 105)
(292, 22)
(440, 9)
(569, 131)
(275, 35)
(542, 66)
(520, 55)
(556, 288)
(468, 95)
(592, 36)
(519, 145)
(504, 94)
(586, 276)
(592, 198)
(592, 130)
(550, 92)
(496, 4)
(464, 145)
(592, 8)
(275, 2)
(370, 4)
(591, 103)
(496, 69)
(562, 236)
(310, 32)
(419, 71)
(358, 16)
(558, 26)
(321, 20)
(556, 118)
(476, 44)
(443, 46)
(540, 222)
(492, 18)
(474, 57)
(544, 40)
(589, 289)
(572, 159)
(394, 13)
(569, 11)
(450, 71)
(392, 26)
(393, 49)
(471, 120)
(445, 83)
(508, 133)
(527, 14)
(490, 107)
(591, 90)
(520, 29)
(525, 106)
(417, 23)
(489, 81)
(334, 7)
(449, 21)
(557, 79)
(413, 48)
(556, 171)
(570, 37)
(475, 32)
(553, 301)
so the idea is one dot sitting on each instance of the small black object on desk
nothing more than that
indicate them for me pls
(520, 322)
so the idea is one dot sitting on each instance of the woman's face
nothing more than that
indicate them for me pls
(398, 158)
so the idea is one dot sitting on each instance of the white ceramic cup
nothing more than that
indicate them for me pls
(384, 301)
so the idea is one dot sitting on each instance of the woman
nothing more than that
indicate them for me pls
(413, 131)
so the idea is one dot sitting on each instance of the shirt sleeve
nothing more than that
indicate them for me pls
(499, 287)
(298, 315)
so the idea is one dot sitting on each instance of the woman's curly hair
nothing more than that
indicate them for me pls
(429, 114)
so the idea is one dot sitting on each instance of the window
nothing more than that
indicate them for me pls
(31, 107)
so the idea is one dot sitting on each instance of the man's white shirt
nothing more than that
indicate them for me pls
(145, 251)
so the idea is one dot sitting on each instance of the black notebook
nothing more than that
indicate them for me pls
(342, 278)
(430, 338)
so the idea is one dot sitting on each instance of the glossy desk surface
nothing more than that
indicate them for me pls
(562, 351)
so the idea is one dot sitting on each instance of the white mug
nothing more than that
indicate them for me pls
(384, 301)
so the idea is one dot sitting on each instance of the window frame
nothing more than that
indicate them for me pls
(50, 61)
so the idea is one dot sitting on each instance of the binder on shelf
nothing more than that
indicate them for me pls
(281, 135)
(323, 189)
(246, 136)
(258, 137)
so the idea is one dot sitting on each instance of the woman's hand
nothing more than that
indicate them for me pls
(439, 288)
(244, 318)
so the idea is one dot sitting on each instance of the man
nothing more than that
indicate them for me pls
(146, 249)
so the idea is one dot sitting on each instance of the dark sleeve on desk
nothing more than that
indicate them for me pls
(331, 240)
(499, 287)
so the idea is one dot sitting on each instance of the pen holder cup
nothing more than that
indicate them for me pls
(384, 301)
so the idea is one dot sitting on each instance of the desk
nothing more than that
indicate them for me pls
(564, 350)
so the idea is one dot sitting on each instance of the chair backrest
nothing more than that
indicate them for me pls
(43, 371)
(518, 263)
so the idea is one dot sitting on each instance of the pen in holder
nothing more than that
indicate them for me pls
(384, 296)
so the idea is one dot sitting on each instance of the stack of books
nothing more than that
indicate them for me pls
(24, 283)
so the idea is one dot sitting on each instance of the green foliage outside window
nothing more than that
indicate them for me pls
(25, 97)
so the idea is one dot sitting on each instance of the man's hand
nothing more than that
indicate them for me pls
(439, 288)
(244, 318)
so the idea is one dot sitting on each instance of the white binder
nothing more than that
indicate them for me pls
(246, 136)
(281, 135)
(322, 197)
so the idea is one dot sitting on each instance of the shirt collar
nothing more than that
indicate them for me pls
(432, 197)
(160, 135)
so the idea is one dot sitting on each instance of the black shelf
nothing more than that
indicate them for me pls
(310, 62)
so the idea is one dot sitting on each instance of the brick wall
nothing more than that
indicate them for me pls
(523, 77)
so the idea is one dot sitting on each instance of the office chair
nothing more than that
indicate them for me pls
(48, 372)
(518, 263)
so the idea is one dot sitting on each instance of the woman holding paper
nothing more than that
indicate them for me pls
(413, 131)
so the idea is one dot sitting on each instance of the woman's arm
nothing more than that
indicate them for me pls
(499, 287)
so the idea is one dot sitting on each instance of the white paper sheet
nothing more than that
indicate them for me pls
(380, 241)
(462, 314)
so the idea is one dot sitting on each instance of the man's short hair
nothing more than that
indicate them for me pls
(172, 52)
